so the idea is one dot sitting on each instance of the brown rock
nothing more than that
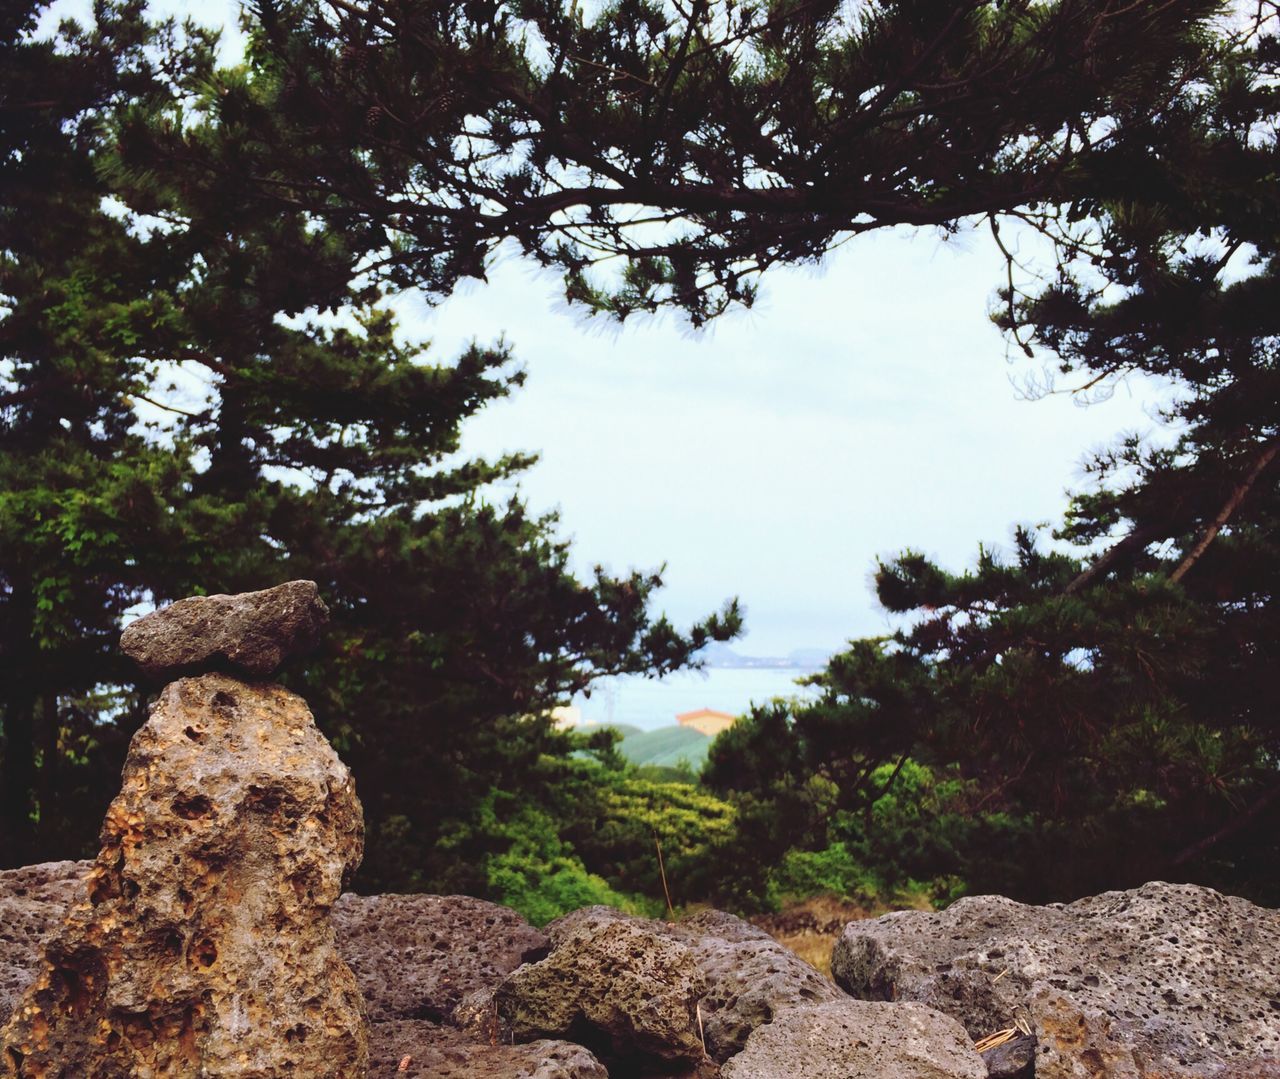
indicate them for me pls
(414, 956)
(204, 945)
(750, 978)
(33, 901)
(252, 633)
(616, 984)
(440, 1052)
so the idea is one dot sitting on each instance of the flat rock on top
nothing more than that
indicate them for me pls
(249, 633)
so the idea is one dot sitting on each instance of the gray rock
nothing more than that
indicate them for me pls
(1164, 980)
(750, 978)
(440, 1052)
(203, 945)
(614, 984)
(34, 900)
(857, 1039)
(251, 633)
(418, 956)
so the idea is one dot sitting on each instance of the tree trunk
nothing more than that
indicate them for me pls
(17, 779)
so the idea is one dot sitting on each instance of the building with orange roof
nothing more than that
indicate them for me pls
(706, 721)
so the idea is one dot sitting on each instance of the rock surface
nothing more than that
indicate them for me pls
(418, 956)
(439, 1052)
(33, 901)
(1162, 981)
(750, 978)
(614, 984)
(252, 633)
(204, 944)
(858, 1039)
(414, 956)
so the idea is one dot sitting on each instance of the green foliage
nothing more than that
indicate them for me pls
(634, 817)
(667, 747)
(539, 874)
(746, 134)
(201, 387)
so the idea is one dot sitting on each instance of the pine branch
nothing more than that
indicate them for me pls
(1268, 454)
(1134, 541)
(1227, 830)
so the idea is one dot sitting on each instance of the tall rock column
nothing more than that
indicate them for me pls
(205, 948)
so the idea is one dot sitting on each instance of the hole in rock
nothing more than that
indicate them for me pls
(205, 953)
(193, 807)
(194, 734)
(223, 701)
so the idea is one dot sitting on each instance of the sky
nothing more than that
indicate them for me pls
(859, 408)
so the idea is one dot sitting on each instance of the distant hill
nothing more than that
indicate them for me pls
(624, 729)
(666, 746)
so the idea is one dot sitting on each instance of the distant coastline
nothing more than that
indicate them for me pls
(649, 703)
(722, 657)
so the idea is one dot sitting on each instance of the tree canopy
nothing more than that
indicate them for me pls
(1110, 685)
(201, 387)
(664, 153)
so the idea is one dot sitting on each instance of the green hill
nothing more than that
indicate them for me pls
(666, 746)
(624, 729)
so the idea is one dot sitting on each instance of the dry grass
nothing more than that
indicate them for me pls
(812, 927)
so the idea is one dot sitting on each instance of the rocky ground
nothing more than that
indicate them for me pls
(1165, 981)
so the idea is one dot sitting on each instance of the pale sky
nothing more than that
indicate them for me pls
(858, 409)
(854, 411)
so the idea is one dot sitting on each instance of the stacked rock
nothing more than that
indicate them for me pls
(205, 947)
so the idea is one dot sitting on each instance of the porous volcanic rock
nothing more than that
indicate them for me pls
(858, 1039)
(204, 945)
(1163, 981)
(33, 900)
(616, 984)
(418, 956)
(440, 1052)
(750, 978)
(251, 633)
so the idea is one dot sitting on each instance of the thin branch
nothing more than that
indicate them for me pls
(1268, 454)
(171, 408)
(1227, 830)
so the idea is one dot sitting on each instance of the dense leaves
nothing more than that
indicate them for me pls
(665, 154)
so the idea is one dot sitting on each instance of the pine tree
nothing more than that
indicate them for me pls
(216, 400)
(665, 155)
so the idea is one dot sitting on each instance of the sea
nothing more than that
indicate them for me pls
(650, 703)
